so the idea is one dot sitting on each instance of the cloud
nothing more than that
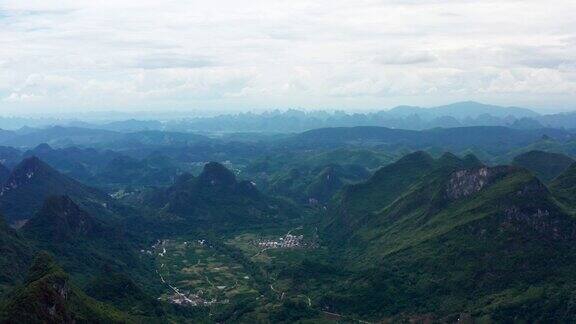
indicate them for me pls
(405, 58)
(129, 54)
(173, 61)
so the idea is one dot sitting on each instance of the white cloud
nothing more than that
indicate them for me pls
(352, 54)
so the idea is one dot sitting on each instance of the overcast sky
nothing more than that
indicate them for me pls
(86, 55)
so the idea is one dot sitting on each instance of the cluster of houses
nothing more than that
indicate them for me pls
(156, 247)
(289, 241)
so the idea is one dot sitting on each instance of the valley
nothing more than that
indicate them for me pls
(200, 275)
(244, 267)
(328, 226)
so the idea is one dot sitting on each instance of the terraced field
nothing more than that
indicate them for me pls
(241, 274)
(198, 274)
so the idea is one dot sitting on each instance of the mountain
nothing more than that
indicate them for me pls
(493, 139)
(6, 135)
(9, 156)
(154, 170)
(4, 174)
(153, 137)
(61, 137)
(15, 255)
(546, 166)
(118, 289)
(561, 120)
(60, 219)
(131, 125)
(389, 183)
(48, 296)
(462, 110)
(32, 181)
(331, 179)
(450, 238)
(80, 241)
(78, 163)
(564, 185)
(473, 109)
(216, 197)
(405, 117)
(370, 159)
(313, 185)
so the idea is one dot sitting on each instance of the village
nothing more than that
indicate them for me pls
(287, 241)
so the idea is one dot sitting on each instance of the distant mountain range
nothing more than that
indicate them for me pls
(61, 136)
(459, 114)
(462, 110)
(403, 117)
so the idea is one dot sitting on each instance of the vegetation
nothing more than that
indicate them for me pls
(48, 296)
(339, 224)
(546, 166)
(455, 248)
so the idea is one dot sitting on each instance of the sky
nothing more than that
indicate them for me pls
(220, 55)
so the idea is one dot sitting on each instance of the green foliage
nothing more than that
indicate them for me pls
(80, 242)
(418, 250)
(49, 297)
(314, 176)
(216, 199)
(32, 181)
(154, 170)
(291, 311)
(399, 245)
(546, 166)
(118, 289)
(15, 256)
(564, 186)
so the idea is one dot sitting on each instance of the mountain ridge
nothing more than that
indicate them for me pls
(32, 181)
(455, 232)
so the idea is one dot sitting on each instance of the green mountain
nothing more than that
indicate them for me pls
(154, 170)
(315, 185)
(449, 237)
(546, 166)
(82, 243)
(331, 179)
(32, 181)
(370, 159)
(60, 219)
(492, 139)
(9, 156)
(217, 197)
(15, 255)
(4, 174)
(78, 163)
(59, 136)
(564, 186)
(389, 183)
(315, 177)
(117, 288)
(48, 296)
